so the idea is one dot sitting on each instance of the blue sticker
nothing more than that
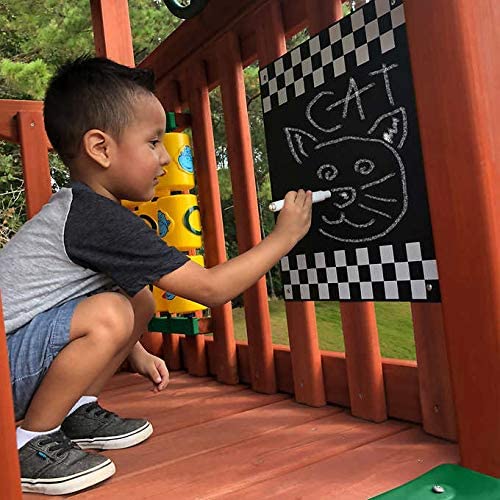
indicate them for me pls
(163, 224)
(168, 296)
(186, 160)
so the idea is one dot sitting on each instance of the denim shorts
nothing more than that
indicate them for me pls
(33, 347)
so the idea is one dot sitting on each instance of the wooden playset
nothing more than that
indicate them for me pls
(407, 92)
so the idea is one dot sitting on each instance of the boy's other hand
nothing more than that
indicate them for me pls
(294, 219)
(151, 367)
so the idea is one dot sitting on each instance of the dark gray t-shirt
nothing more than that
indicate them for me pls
(79, 243)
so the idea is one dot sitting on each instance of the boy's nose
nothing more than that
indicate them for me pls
(165, 157)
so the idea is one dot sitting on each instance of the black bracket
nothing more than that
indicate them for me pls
(184, 9)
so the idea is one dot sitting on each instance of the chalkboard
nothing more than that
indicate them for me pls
(339, 115)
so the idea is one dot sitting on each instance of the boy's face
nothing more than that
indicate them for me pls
(139, 153)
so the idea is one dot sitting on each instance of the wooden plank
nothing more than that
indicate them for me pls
(9, 108)
(127, 379)
(402, 389)
(140, 388)
(194, 355)
(180, 392)
(243, 362)
(112, 33)
(9, 462)
(284, 371)
(253, 460)
(185, 444)
(190, 405)
(458, 99)
(363, 360)
(436, 398)
(211, 216)
(36, 173)
(360, 473)
(246, 211)
(335, 376)
(301, 316)
(172, 351)
(400, 380)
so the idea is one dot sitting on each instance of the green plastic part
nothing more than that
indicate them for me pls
(187, 326)
(447, 482)
(171, 124)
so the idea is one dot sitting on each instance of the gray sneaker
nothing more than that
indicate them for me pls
(54, 465)
(91, 426)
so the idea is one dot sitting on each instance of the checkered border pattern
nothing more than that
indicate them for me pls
(388, 272)
(351, 42)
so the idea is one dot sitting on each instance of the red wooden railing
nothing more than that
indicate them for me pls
(457, 92)
(9, 462)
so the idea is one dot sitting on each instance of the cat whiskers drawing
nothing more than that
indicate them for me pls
(365, 175)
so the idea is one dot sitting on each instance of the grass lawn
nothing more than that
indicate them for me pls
(393, 319)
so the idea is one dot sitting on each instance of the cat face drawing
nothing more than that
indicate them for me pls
(365, 175)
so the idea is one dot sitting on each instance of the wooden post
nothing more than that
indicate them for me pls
(35, 160)
(112, 33)
(211, 216)
(436, 399)
(194, 346)
(456, 71)
(301, 316)
(9, 461)
(359, 326)
(246, 213)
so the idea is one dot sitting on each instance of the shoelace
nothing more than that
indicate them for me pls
(60, 443)
(99, 411)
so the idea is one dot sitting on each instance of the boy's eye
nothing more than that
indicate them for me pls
(154, 142)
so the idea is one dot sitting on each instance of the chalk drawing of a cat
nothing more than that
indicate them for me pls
(366, 176)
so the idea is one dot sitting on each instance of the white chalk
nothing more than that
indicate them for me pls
(317, 196)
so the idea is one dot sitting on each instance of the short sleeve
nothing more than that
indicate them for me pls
(105, 237)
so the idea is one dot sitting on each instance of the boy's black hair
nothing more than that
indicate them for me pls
(87, 93)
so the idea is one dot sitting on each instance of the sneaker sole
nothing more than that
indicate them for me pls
(69, 484)
(116, 442)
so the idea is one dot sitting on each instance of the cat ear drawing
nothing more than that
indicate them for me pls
(391, 127)
(300, 142)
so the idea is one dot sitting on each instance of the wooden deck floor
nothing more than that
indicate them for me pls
(220, 441)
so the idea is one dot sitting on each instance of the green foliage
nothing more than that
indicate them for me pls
(28, 80)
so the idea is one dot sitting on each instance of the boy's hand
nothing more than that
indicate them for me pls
(294, 219)
(150, 367)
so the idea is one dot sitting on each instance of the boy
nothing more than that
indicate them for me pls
(75, 278)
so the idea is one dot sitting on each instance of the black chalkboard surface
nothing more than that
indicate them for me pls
(339, 115)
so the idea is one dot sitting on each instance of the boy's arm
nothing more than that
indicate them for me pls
(225, 281)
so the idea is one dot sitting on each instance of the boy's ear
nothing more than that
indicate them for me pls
(97, 145)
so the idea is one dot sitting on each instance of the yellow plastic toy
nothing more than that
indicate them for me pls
(166, 302)
(148, 212)
(179, 173)
(179, 221)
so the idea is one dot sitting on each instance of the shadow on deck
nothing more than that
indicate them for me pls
(220, 441)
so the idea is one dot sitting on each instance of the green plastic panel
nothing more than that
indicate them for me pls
(447, 482)
(171, 124)
(187, 326)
